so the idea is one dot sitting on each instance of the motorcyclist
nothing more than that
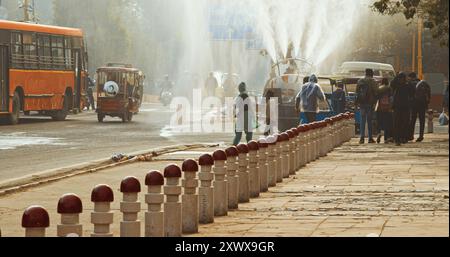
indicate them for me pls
(166, 85)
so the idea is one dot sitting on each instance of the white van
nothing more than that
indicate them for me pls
(358, 69)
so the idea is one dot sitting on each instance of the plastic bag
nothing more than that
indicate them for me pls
(443, 119)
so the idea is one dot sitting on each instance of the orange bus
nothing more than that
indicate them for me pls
(42, 68)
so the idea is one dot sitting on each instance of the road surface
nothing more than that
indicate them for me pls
(39, 144)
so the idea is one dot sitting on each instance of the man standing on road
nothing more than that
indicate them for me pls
(245, 115)
(366, 91)
(401, 109)
(308, 98)
(384, 111)
(422, 98)
(90, 94)
(211, 85)
(338, 99)
(412, 81)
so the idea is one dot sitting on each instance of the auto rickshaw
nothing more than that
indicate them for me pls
(120, 90)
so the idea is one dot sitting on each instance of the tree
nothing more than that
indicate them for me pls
(433, 12)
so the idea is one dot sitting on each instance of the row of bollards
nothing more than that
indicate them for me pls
(210, 188)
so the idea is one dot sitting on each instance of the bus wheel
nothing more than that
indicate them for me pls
(130, 116)
(13, 118)
(61, 115)
(100, 117)
(26, 113)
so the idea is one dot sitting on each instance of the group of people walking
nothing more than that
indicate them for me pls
(397, 104)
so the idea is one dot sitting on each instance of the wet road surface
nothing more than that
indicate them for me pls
(39, 144)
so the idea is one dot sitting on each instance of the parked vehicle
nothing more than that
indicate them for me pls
(119, 91)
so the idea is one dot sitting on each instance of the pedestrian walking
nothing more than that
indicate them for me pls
(309, 98)
(422, 98)
(245, 115)
(366, 90)
(384, 111)
(338, 99)
(401, 105)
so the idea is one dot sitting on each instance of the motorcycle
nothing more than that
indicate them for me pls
(166, 97)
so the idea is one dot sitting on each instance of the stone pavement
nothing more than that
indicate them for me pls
(375, 190)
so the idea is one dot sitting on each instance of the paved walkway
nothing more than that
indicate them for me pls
(375, 190)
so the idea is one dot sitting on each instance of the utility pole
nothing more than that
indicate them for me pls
(419, 49)
(414, 51)
(26, 14)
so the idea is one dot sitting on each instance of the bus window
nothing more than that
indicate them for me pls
(45, 54)
(58, 52)
(30, 51)
(68, 53)
(17, 50)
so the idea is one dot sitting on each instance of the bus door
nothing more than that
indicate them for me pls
(4, 87)
(78, 68)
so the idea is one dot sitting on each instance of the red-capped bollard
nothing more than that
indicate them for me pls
(102, 217)
(220, 184)
(244, 184)
(280, 158)
(316, 131)
(263, 165)
(172, 207)
(302, 146)
(295, 149)
(285, 156)
(206, 191)
(70, 207)
(298, 148)
(35, 220)
(310, 147)
(190, 197)
(291, 154)
(232, 178)
(130, 187)
(328, 135)
(253, 173)
(272, 159)
(154, 216)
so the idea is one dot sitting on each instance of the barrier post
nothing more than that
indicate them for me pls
(70, 207)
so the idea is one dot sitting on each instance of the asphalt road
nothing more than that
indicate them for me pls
(38, 144)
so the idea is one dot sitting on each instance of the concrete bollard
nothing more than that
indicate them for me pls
(154, 216)
(172, 207)
(253, 174)
(190, 197)
(70, 207)
(291, 147)
(35, 220)
(302, 145)
(307, 133)
(232, 178)
(206, 191)
(102, 217)
(430, 124)
(244, 185)
(130, 207)
(281, 165)
(285, 156)
(220, 184)
(328, 142)
(263, 165)
(322, 139)
(296, 150)
(316, 127)
(272, 160)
